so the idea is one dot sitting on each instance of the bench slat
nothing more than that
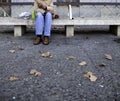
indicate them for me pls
(79, 21)
(69, 24)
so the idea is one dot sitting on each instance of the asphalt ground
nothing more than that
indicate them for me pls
(60, 77)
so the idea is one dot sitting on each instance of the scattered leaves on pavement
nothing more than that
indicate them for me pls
(35, 72)
(71, 57)
(90, 76)
(108, 56)
(12, 51)
(47, 55)
(83, 63)
(102, 64)
(14, 78)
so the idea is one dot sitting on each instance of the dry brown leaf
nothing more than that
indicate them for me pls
(102, 64)
(12, 51)
(83, 63)
(32, 71)
(93, 78)
(90, 76)
(71, 57)
(20, 48)
(108, 56)
(47, 55)
(35, 72)
(14, 78)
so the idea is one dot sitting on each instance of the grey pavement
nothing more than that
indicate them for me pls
(61, 79)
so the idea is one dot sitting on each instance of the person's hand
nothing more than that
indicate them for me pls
(40, 5)
(49, 12)
(56, 16)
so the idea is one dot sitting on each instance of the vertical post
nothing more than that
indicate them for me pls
(118, 30)
(69, 30)
(115, 29)
(4, 13)
(19, 30)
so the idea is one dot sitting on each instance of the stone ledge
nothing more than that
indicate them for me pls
(76, 21)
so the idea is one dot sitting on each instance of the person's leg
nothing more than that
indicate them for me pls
(39, 28)
(47, 28)
(39, 23)
(48, 22)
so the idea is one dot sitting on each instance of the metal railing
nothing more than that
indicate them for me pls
(95, 9)
(63, 3)
(85, 3)
(15, 3)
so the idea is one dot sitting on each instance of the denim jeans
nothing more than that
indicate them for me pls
(43, 24)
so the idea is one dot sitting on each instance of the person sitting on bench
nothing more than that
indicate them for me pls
(44, 12)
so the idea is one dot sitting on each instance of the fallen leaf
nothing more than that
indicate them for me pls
(102, 64)
(90, 76)
(14, 78)
(35, 72)
(20, 48)
(71, 57)
(12, 51)
(32, 71)
(83, 63)
(108, 56)
(93, 78)
(47, 55)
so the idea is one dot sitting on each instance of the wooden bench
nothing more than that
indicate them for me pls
(20, 24)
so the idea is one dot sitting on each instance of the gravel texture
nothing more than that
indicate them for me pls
(61, 79)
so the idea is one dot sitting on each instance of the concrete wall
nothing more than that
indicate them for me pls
(78, 11)
(16, 10)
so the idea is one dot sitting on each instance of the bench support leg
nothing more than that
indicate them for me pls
(115, 29)
(19, 30)
(69, 30)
